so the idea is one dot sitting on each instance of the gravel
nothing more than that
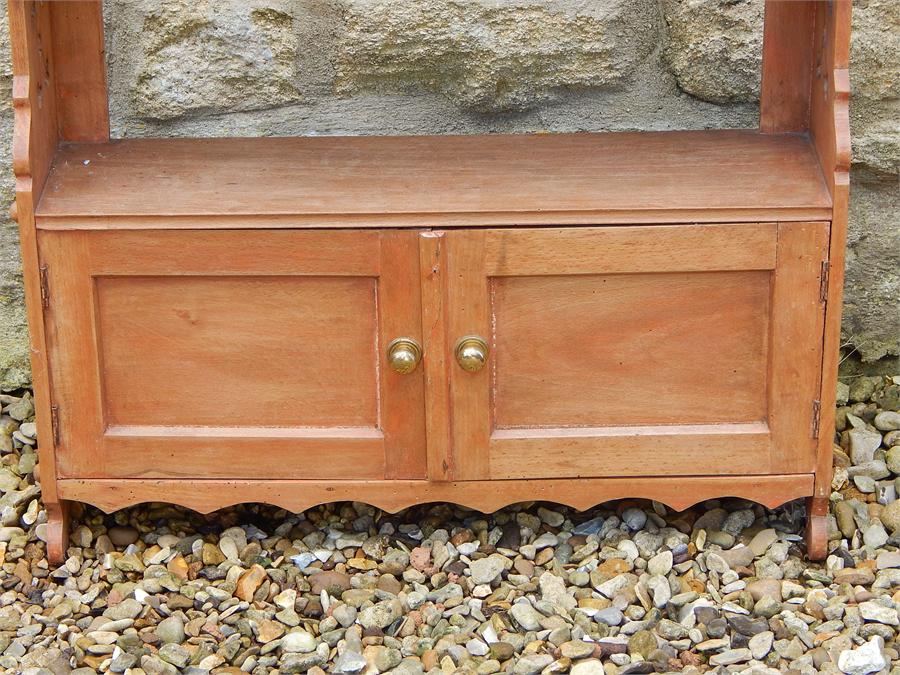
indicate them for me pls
(629, 587)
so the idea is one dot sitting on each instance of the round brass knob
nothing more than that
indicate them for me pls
(404, 355)
(471, 353)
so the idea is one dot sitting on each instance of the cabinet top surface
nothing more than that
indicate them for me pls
(435, 180)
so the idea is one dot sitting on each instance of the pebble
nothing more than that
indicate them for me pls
(716, 563)
(611, 616)
(379, 615)
(589, 667)
(890, 516)
(872, 611)
(350, 662)
(730, 656)
(249, 582)
(863, 660)
(526, 616)
(844, 514)
(634, 518)
(888, 559)
(122, 536)
(486, 570)
(553, 518)
(762, 540)
(332, 582)
(761, 588)
(887, 420)
(642, 643)
(863, 444)
(875, 535)
(298, 642)
(174, 654)
(171, 630)
(660, 564)
(739, 556)
(532, 664)
(761, 644)
(738, 521)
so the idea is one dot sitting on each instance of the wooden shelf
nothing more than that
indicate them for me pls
(435, 181)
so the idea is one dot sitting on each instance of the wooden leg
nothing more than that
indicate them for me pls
(816, 528)
(57, 531)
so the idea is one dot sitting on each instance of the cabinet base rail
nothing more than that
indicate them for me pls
(206, 496)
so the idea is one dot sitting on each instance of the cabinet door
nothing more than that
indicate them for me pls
(234, 354)
(634, 351)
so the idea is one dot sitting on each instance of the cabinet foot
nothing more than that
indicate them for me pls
(816, 528)
(57, 531)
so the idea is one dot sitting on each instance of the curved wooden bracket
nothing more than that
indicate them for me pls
(206, 496)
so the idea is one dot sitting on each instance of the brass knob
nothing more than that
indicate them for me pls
(471, 353)
(404, 355)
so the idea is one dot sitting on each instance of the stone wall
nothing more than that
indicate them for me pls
(296, 67)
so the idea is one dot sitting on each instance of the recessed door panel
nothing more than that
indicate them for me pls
(627, 351)
(226, 354)
(282, 351)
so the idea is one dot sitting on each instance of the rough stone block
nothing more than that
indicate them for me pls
(871, 318)
(209, 57)
(714, 48)
(875, 81)
(489, 55)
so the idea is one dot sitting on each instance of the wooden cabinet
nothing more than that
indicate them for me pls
(221, 355)
(484, 320)
(630, 351)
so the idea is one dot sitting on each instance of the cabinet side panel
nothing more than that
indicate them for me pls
(80, 69)
(34, 143)
(787, 66)
(830, 132)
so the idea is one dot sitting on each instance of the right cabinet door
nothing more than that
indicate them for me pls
(633, 351)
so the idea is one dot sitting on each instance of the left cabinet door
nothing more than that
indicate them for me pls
(234, 354)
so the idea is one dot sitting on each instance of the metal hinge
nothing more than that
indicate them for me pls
(823, 281)
(45, 288)
(816, 417)
(54, 423)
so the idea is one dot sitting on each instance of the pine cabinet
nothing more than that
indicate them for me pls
(635, 351)
(224, 355)
(398, 320)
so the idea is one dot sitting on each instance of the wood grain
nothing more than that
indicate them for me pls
(433, 266)
(281, 351)
(468, 313)
(830, 132)
(234, 357)
(621, 349)
(33, 145)
(631, 250)
(674, 450)
(402, 397)
(185, 453)
(435, 181)
(797, 326)
(596, 371)
(80, 70)
(787, 65)
(208, 495)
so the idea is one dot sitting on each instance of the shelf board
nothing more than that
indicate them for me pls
(435, 181)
